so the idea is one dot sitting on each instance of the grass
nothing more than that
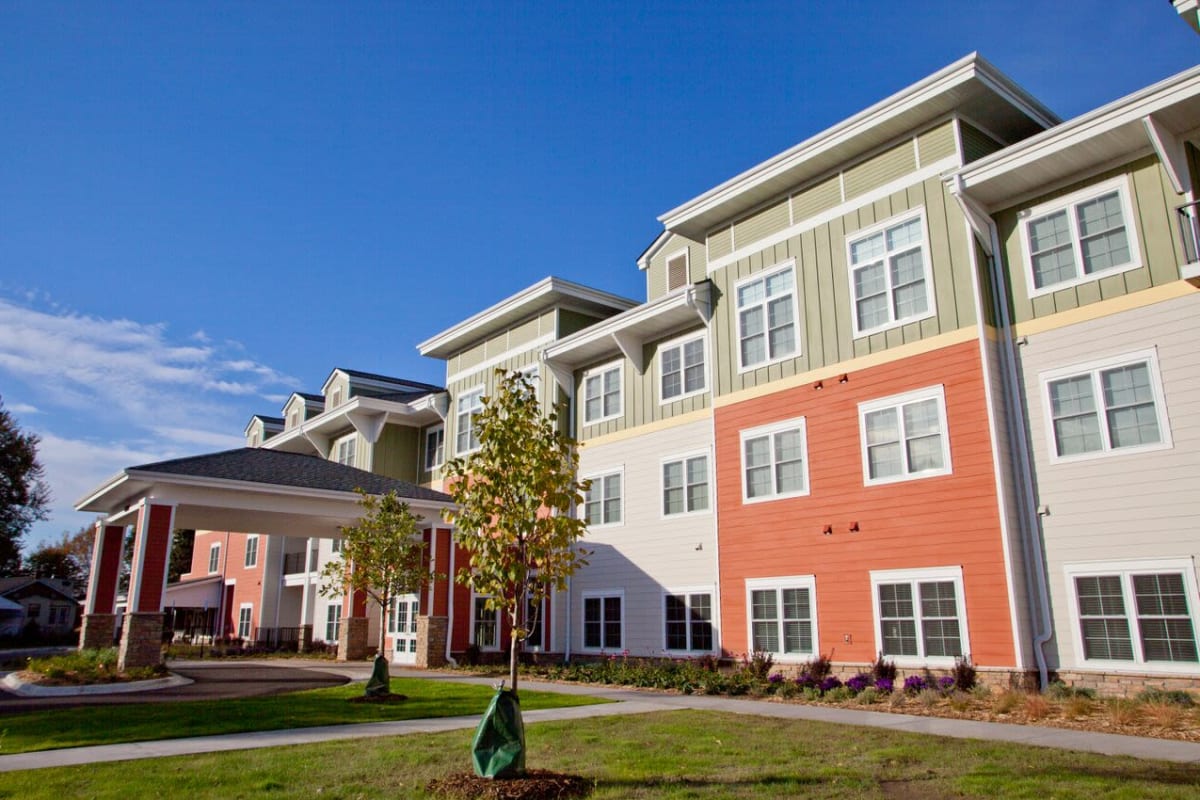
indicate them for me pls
(113, 724)
(678, 754)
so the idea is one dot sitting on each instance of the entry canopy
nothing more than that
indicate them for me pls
(256, 490)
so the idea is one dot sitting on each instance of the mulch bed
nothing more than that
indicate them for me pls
(538, 784)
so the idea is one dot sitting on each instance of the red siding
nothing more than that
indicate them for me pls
(157, 532)
(107, 569)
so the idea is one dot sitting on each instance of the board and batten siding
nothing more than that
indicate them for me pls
(647, 554)
(543, 324)
(486, 377)
(1153, 202)
(1121, 506)
(825, 325)
(656, 272)
(397, 453)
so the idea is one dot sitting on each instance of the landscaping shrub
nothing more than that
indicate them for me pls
(819, 668)
(1176, 697)
(89, 666)
(883, 670)
(914, 684)
(964, 673)
(758, 664)
(1058, 690)
(859, 682)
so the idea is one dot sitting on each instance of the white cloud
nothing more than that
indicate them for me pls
(23, 408)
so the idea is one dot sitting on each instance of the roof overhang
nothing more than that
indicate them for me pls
(970, 87)
(1190, 11)
(545, 294)
(365, 414)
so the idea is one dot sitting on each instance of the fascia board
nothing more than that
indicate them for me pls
(121, 480)
(627, 321)
(660, 241)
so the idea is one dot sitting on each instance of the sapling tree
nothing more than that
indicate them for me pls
(515, 498)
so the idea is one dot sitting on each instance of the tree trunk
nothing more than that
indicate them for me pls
(383, 609)
(514, 654)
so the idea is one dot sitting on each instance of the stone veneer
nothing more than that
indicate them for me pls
(1117, 684)
(431, 641)
(141, 640)
(98, 631)
(352, 639)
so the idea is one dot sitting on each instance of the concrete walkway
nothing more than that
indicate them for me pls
(626, 702)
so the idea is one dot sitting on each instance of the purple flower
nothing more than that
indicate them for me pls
(830, 683)
(806, 680)
(859, 682)
(914, 684)
(775, 677)
(884, 685)
(946, 683)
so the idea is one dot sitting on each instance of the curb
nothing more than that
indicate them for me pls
(24, 688)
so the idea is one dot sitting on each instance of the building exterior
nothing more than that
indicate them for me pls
(45, 605)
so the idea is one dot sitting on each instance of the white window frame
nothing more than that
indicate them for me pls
(343, 445)
(1069, 204)
(926, 263)
(214, 558)
(494, 646)
(251, 560)
(898, 401)
(599, 373)
(461, 414)
(245, 620)
(1126, 569)
(601, 595)
(1093, 369)
(679, 344)
(914, 577)
(777, 585)
(335, 623)
(687, 594)
(335, 399)
(683, 460)
(597, 479)
(800, 424)
(776, 269)
(437, 456)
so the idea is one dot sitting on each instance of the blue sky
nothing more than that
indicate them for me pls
(206, 206)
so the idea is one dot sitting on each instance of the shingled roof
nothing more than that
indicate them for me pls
(279, 468)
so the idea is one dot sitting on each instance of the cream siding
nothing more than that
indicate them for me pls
(814, 199)
(936, 143)
(879, 169)
(720, 242)
(656, 277)
(397, 453)
(975, 143)
(761, 223)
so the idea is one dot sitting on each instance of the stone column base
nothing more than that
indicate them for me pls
(431, 641)
(304, 644)
(141, 641)
(352, 639)
(98, 631)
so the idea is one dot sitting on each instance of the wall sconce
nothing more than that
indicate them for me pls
(854, 527)
(845, 378)
(827, 530)
(699, 546)
(819, 385)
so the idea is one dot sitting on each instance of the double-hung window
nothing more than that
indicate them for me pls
(485, 627)
(602, 622)
(602, 393)
(682, 368)
(214, 558)
(602, 500)
(919, 614)
(252, 550)
(688, 619)
(1105, 407)
(766, 309)
(435, 447)
(775, 461)
(333, 621)
(1136, 613)
(890, 278)
(346, 450)
(468, 405)
(245, 617)
(1079, 238)
(904, 436)
(783, 615)
(685, 485)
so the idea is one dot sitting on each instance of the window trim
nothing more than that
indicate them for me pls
(214, 558)
(336, 622)
(687, 592)
(779, 584)
(686, 252)
(1068, 203)
(601, 371)
(620, 471)
(470, 414)
(426, 464)
(249, 620)
(495, 646)
(1126, 569)
(600, 594)
(251, 563)
(762, 275)
(1093, 369)
(678, 343)
(796, 423)
(335, 448)
(926, 263)
(915, 577)
(938, 393)
(683, 458)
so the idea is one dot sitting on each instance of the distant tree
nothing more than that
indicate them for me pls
(24, 496)
(181, 554)
(515, 500)
(79, 545)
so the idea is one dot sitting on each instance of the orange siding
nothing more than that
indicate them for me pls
(950, 520)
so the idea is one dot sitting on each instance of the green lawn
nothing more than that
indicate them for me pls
(112, 724)
(678, 754)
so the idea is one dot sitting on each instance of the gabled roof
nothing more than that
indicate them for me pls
(14, 585)
(380, 382)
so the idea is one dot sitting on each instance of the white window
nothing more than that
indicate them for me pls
(254, 440)
(766, 309)
(293, 419)
(335, 546)
(602, 393)
(245, 614)
(468, 404)
(1137, 612)
(485, 624)
(214, 558)
(602, 500)
(1079, 238)
(775, 461)
(1105, 407)
(344, 450)
(435, 447)
(783, 615)
(336, 399)
(333, 622)
(904, 436)
(252, 550)
(919, 615)
(688, 621)
(685, 485)
(890, 278)
(603, 627)
(682, 368)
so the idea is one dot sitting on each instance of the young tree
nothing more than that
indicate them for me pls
(382, 556)
(515, 514)
(23, 494)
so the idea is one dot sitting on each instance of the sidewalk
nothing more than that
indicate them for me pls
(626, 702)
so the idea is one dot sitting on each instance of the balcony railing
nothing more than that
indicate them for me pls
(293, 563)
(1189, 229)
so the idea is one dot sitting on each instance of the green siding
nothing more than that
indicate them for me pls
(486, 377)
(1153, 201)
(819, 197)
(976, 144)
(879, 169)
(761, 224)
(720, 242)
(936, 143)
(397, 453)
(572, 322)
(656, 280)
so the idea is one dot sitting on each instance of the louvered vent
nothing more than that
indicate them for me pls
(677, 272)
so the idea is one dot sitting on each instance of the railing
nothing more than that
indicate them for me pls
(1189, 229)
(278, 638)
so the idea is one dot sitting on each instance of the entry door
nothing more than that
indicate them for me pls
(404, 628)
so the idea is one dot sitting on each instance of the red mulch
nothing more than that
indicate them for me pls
(538, 784)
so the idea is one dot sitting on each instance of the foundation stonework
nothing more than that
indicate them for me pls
(431, 641)
(98, 631)
(352, 639)
(141, 641)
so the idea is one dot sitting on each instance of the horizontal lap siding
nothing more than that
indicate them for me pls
(656, 278)
(942, 521)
